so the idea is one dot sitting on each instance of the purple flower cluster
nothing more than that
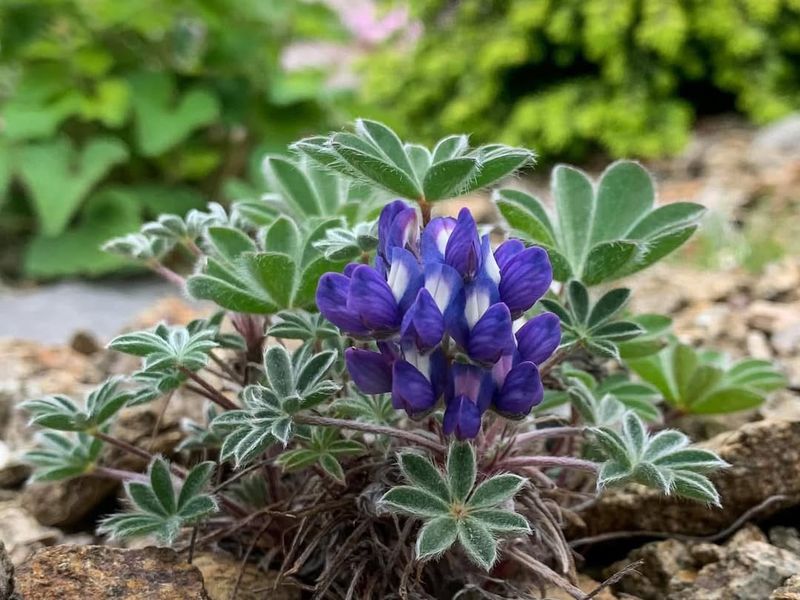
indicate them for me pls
(444, 309)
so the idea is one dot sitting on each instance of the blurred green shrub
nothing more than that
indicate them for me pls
(567, 76)
(112, 112)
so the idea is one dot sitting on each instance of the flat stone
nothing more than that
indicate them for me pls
(752, 570)
(103, 573)
(790, 590)
(221, 571)
(6, 574)
(22, 534)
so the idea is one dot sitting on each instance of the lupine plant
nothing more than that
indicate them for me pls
(401, 403)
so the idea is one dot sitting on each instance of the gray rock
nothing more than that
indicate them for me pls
(790, 590)
(752, 570)
(6, 574)
(782, 138)
(787, 538)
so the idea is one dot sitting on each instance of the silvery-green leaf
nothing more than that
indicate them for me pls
(332, 467)
(420, 472)
(496, 490)
(436, 536)
(502, 521)
(461, 470)
(415, 502)
(161, 482)
(279, 372)
(478, 542)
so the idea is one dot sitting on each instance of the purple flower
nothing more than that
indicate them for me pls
(468, 396)
(370, 371)
(539, 338)
(418, 382)
(521, 391)
(428, 287)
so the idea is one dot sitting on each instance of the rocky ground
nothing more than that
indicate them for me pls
(687, 551)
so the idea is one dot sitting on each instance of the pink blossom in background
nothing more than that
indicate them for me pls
(369, 28)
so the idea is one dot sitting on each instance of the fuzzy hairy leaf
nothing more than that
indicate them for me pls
(436, 536)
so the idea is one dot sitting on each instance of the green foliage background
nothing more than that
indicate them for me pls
(568, 76)
(112, 112)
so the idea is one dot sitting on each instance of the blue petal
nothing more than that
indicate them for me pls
(371, 371)
(332, 292)
(463, 251)
(539, 337)
(405, 277)
(502, 367)
(372, 300)
(524, 279)
(492, 335)
(521, 391)
(423, 324)
(387, 217)
(506, 251)
(472, 382)
(462, 418)
(411, 390)
(435, 237)
(398, 227)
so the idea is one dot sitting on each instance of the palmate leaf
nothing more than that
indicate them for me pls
(454, 508)
(239, 276)
(664, 461)
(62, 456)
(63, 414)
(697, 383)
(169, 347)
(324, 447)
(292, 383)
(602, 232)
(375, 155)
(157, 510)
(605, 403)
(594, 326)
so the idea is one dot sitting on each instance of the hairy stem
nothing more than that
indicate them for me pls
(225, 367)
(409, 436)
(567, 462)
(167, 273)
(119, 474)
(547, 432)
(211, 393)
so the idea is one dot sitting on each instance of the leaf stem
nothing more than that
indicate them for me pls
(409, 436)
(211, 393)
(118, 474)
(547, 432)
(167, 273)
(567, 462)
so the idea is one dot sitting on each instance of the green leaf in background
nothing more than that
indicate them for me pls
(106, 214)
(59, 177)
(163, 118)
(604, 231)
(695, 382)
